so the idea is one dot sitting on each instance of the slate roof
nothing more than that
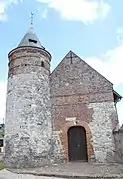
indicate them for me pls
(30, 39)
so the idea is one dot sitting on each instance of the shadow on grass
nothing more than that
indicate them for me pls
(2, 165)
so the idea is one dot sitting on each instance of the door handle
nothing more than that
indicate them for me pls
(78, 145)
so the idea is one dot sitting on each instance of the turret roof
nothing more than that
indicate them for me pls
(30, 39)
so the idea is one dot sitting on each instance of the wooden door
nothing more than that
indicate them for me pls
(77, 145)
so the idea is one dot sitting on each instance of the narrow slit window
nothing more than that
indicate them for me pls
(42, 64)
(34, 41)
(1, 142)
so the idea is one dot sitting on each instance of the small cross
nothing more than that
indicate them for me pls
(32, 18)
(71, 56)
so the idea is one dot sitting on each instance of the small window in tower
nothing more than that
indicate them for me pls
(1, 142)
(34, 41)
(42, 64)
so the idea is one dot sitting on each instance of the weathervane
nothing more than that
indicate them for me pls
(32, 18)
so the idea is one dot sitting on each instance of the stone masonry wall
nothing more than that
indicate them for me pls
(118, 136)
(28, 126)
(102, 131)
(80, 96)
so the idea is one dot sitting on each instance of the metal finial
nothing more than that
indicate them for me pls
(32, 18)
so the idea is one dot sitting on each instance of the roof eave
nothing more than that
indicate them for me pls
(119, 97)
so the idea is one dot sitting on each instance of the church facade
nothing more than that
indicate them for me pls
(67, 115)
(83, 111)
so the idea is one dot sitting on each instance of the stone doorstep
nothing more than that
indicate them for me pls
(72, 176)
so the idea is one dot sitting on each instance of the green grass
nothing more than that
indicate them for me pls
(2, 165)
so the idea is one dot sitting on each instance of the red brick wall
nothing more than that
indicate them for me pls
(73, 86)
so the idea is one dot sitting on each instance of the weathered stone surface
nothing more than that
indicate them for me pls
(57, 149)
(39, 105)
(78, 78)
(118, 137)
(28, 113)
(101, 128)
(78, 91)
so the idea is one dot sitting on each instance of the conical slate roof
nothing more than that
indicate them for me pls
(30, 39)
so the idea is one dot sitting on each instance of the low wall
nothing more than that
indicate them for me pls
(118, 137)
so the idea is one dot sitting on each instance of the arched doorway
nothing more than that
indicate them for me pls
(77, 145)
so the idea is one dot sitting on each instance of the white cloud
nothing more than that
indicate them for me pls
(2, 99)
(44, 14)
(110, 65)
(4, 5)
(80, 10)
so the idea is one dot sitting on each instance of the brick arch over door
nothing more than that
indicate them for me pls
(64, 138)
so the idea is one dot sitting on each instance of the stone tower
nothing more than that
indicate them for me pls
(28, 126)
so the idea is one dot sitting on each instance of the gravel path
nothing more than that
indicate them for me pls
(76, 169)
(69, 170)
(4, 174)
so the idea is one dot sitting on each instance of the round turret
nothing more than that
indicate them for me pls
(28, 119)
(29, 56)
